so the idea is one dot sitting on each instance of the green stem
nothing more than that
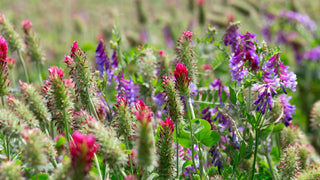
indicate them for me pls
(190, 110)
(270, 166)
(249, 100)
(177, 148)
(66, 125)
(8, 147)
(23, 65)
(97, 165)
(2, 101)
(255, 154)
(92, 109)
(200, 160)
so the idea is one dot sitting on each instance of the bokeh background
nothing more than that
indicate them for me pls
(160, 22)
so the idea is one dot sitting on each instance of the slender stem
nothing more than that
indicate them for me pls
(2, 101)
(53, 162)
(92, 109)
(23, 65)
(177, 148)
(66, 125)
(8, 147)
(190, 110)
(200, 160)
(255, 154)
(270, 166)
(249, 100)
(97, 165)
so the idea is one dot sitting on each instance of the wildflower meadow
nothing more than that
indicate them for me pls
(136, 89)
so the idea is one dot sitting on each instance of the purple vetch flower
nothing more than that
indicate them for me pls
(193, 89)
(168, 36)
(232, 37)
(265, 31)
(186, 154)
(158, 100)
(287, 108)
(274, 68)
(298, 17)
(265, 94)
(208, 113)
(103, 62)
(220, 87)
(144, 36)
(216, 157)
(243, 51)
(115, 59)
(127, 88)
(312, 54)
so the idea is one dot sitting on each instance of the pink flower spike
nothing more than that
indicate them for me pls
(3, 49)
(55, 72)
(10, 61)
(188, 35)
(167, 124)
(200, 2)
(74, 47)
(82, 151)
(26, 26)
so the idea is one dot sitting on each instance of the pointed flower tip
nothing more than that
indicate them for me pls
(122, 101)
(55, 72)
(200, 2)
(188, 35)
(143, 113)
(167, 124)
(82, 150)
(74, 47)
(26, 25)
(3, 49)
(182, 78)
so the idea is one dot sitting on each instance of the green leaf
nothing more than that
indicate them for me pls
(242, 149)
(233, 96)
(40, 177)
(278, 127)
(155, 81)
(202, 130)
(152, 176)
(186, 164)
(127, 152)
(211, 139)
(60, 142)
(223, 96)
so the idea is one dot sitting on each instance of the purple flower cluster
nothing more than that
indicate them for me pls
(126, 88)
(158, 100)
(274, 69)
(313, 54)
(168, 36)
(220, 87)
(288, 109)
(301, 18)
(224, 121)
(186, 154)
(265, 94)
(104, 64)
(243, 50)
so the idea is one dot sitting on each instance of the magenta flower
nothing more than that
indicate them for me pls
(187, 35)
(3, 49)
(55, 73)
(143, 112)
(182, 78)
(167, 124)
(26, 26)
(74, 48)
(82, 151)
